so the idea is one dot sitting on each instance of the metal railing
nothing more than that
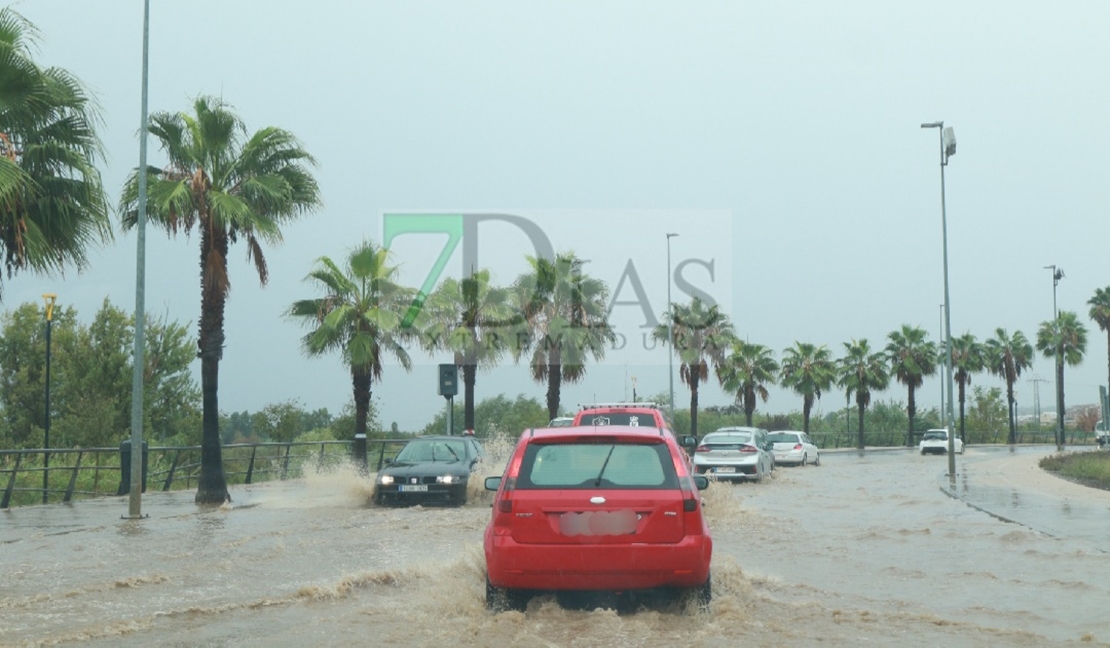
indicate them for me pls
(97, 472)
(830, 440)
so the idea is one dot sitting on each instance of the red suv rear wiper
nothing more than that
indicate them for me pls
(597, 482)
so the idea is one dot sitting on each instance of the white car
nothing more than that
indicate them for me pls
(937, 441)
(793, 447)
(735, 453)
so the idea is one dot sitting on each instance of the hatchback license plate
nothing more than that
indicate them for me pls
(422, 488)
(727, 469)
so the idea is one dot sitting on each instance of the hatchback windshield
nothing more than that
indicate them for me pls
(783, 438)
(597, 465)
(421, 451)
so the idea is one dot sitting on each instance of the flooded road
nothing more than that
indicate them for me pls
(865, 549)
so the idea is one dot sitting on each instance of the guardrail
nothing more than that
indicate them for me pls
(96, 472)
(829, 440)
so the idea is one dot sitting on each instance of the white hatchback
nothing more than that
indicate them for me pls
(937, 441)
(793, 447)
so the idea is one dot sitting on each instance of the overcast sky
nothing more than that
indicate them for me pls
(780, 140)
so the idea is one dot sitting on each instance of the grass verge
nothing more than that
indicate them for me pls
(1086, 468)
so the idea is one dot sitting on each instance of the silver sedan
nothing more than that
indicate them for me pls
(737, 453)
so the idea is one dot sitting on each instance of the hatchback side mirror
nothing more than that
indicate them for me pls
(689, 442)
(493, 483)
(701, 481)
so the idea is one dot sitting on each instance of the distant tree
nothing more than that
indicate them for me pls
(90, 380)
(359, 316)
(1006, 357)
(988, 411)
(565, 322)
(702, 335)
(23, 370)
(229, 186)
(968, 357)
(747, 372)
(809, 370)
(1100, 313)
(495, 415)
(52, 202)
(862, 371)
(912, 357)
(1065, 340)
(475, 321)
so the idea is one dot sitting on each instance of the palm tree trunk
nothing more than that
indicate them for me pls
(1010, 410)
(470, 370)
(554, 382)
(749, 405)
(360, 383)
(694, 377)
(1060, 399)
(911, 411)
(807, 405)
(212, 483)
(862, 407)
(963, 391)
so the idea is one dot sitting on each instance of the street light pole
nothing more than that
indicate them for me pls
(135, 496)
(1057, 275)
(670, 326)
(50, 298)
(947, 150)
(941, 320)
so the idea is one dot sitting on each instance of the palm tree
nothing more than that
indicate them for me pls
(967, 358)
(1065, 339)
(701, 335)
(912, 357)
(808, 370)
(1006, 357)
(229, 187)
(1100, 313)
(747, 372)
(565, 312)
(52, 203)
(475, 321)
(359, 315)
(862, 371)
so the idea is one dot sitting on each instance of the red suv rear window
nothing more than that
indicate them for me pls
(590, 465)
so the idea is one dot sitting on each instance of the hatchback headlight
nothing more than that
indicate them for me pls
(385, 480)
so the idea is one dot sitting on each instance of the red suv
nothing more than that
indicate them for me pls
(582, 509)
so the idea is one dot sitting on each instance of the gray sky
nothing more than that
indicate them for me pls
(779, 140)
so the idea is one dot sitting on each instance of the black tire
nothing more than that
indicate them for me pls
(805, 460)
(817, 460)
(702, 596)
(501, 599)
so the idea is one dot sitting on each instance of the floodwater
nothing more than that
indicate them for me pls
(879, 548)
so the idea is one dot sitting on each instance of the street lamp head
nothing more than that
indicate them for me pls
(670, 234)
(49, 298)
(938, 124)
(949, 137)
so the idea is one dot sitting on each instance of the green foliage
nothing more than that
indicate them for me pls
(494, 416)
(91, 379)
(52, 202)
(986, 411)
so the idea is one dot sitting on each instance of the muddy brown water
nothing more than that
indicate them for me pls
(866, 549)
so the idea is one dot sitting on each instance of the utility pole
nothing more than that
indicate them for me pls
(1037, 380)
